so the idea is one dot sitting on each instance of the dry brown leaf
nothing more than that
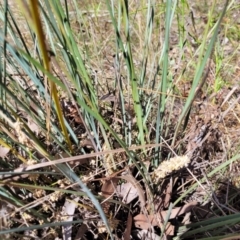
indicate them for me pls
(138, 187)
(108, 187)
(73, 112)
(67, 215)
(145, 222)
(168, 195)
(146, 235)
(78, 119)
(3, 151)
(127, 191)
(169, 229)
(110, 97)
(33, 126)
(127, 232)
(81, 231)
(187, 219)
(179, 210)
(87, 143)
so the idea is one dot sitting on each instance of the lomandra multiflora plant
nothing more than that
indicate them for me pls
(58, 106)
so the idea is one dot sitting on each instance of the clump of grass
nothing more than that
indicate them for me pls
(96, 84)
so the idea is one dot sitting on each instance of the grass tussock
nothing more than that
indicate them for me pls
(119, 120)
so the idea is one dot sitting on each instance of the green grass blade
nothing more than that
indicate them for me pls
(165, 78)
(201, 65)
(127, 53)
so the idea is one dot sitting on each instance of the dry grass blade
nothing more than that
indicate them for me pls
(80, 159)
